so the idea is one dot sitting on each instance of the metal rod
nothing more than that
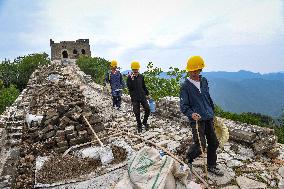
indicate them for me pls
(102, 145)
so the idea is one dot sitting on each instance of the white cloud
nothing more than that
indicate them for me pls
(145, 29)
(245, 23)
(132, 23)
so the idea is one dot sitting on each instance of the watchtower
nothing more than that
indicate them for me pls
(69, 49)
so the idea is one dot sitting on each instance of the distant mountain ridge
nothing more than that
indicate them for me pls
(245, 91)
(242, 74)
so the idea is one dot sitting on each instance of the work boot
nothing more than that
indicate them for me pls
(139, 128)
(215, 170)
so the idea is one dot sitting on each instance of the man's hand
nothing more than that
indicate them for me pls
(195, 116)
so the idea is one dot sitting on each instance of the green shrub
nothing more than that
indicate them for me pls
(161, 87)
(7, 96)
(19, 71)
(15, 75)
(96, 67)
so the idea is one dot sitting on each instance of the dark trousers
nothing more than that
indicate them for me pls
(205, 129)
(116, 101)
(136, 110)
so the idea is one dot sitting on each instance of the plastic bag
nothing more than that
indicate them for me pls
(152, 105)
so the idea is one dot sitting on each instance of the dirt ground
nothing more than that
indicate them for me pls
(70, 167)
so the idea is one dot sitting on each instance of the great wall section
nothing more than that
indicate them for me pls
(31, 152)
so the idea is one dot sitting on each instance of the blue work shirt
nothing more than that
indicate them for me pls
(194, 101)
(116, 82)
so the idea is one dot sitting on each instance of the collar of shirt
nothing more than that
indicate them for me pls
(195, 83)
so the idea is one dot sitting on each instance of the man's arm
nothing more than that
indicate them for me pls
(144, 86)
(211, 103)
(129, 84)
(210, 99)
(121, 81)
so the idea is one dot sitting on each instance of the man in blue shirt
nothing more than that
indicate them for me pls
(114, 78)
(197, 105)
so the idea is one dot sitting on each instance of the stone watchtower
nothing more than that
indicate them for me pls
(69, 49)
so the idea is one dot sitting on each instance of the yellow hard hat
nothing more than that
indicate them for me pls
(113, 63)
(195, 63)
(135, 65)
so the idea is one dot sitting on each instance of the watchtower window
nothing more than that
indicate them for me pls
(83, 51)
(65, 54)
(75, 51)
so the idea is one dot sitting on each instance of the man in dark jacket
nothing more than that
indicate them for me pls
(197, 105)
(114, 78)
(138, 93)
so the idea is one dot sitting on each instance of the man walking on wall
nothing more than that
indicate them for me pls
(197, 105)
(114, 78)
(138, 93)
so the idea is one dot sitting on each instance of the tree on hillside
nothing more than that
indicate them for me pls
(19, 71)
(8, 72)
(26, 66)
(7, 95)
(96, 67)
(161, 87)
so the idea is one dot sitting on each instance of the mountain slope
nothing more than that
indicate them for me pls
(249, 95)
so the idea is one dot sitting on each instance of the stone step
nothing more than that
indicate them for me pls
(4, 183)
(14, 129)
(17, 135)
(13, 142)
(11, 122)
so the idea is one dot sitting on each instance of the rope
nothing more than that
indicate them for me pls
(202, 152)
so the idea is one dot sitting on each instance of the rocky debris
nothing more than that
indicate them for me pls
(245, 183)
(231, 187)
(8, 167)
(62, 105)
(12, 122)
(164, 130)
(105, 181)
(63, 100)
(261, 139)
(2, 136)
(58, 168)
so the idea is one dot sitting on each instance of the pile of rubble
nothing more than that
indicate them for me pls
(61, 95)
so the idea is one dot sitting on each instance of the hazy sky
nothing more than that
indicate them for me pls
(231, 35)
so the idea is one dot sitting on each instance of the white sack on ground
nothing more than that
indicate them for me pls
(148, 170)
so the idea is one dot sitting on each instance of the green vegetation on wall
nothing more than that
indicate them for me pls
(14, 76)
(19, 71)
(161, 87)
(96, 67)
(7, 96)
